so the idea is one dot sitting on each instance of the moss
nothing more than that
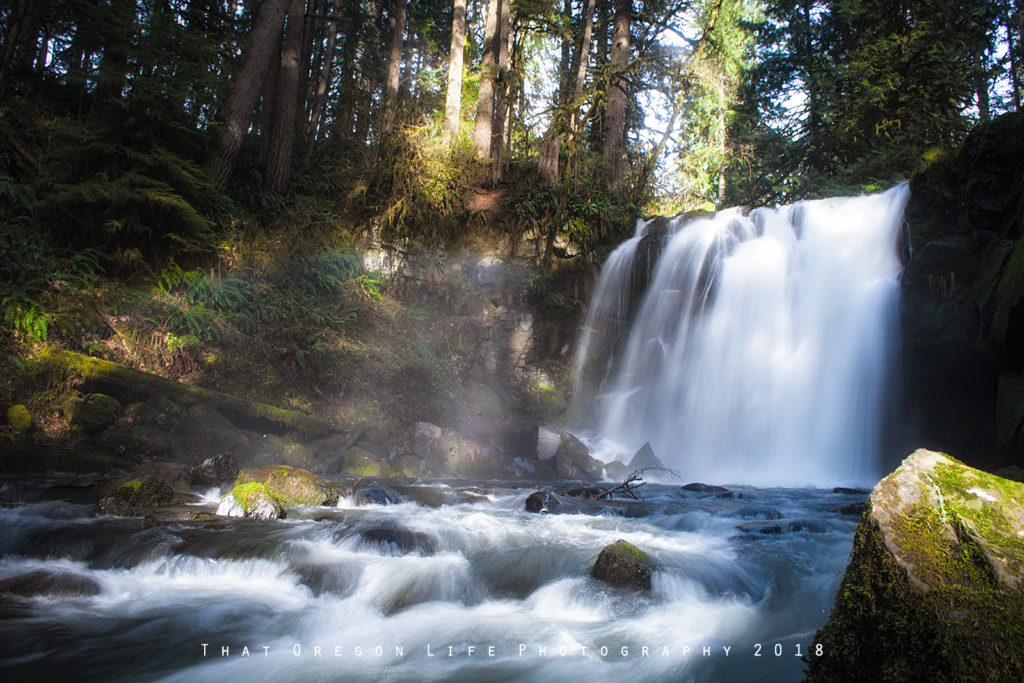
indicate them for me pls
(945, 609)
(629, 550)
(247, 494)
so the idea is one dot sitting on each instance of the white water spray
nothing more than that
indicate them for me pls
(762, 350)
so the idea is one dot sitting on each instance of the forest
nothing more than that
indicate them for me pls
(212, 165)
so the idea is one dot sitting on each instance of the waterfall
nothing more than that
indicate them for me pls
(758, 349)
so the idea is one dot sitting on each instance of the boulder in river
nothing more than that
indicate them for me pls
(935, 585)
(251, 500)
(215, 470)
(623, 565)
(291, 485)
(125, 497)
(644, 457)
(541, 501)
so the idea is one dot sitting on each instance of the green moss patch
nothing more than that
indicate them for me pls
(933, 590)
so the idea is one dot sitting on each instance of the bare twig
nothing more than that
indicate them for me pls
(634, 481)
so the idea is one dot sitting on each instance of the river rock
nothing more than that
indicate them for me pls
(290, 485)
(394, 538)
(204, 433)
(44, 582)
(644, 457)
(174, 474)
(573, 461)
(92, 413)
(125, 497)
(616, 470)
(376, 494)
(19, 418)
(251, 500)
(623, 565)
(541, 501)
(935, 585)
(359, 462)
(215, 471)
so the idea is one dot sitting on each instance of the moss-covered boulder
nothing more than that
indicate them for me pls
(251, 500)
(19, 418)
(92, 413)
(359, 462)
(934, 590)
(291, 485)
(623, 565)
(125, 497)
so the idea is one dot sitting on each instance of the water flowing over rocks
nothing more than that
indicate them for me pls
(934, 589)
(251, 500)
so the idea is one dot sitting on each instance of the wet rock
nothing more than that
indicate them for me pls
(19, 418)
(394, 538)
(759, 512)
(548, 441)
(297, 455)
(251, 500)
(806, 525)
(730, 495)
(92, 413)
(855, 509)
(215, 471)
(616, 470)
(644, 458)
(759, 528)
(126, 497)
(199, 516)
(584, 492)
(290, 485)
(376, 494)
(174, 474)
(204, 433)
(935, 585)
(50, 584)
(573, 461)
(622, 564)
(542, 502)
(697, 487)
(359, 462)
(851, 492)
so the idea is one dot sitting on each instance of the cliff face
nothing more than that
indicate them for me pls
(935, 586)
(963, 294)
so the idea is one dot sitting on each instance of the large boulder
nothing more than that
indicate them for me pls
(214, 471)
(251, 500)
(126, 496)
(573, 461)
(644, 457)
(204, 433)
(623, 565)
(92, 413)
(290, 485)
(935, 585)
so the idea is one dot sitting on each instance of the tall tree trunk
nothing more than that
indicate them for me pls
(504, 91)
(601, 62)
(1013, 46)
(547, 168)
(453, 99)
(368, 73)
(344, 110)
(615, 110)
(488, 67)
(981, 87)
(245, 88)
(320, 95)
(278, 174)
(394, 67)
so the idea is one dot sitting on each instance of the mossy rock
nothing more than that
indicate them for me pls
(92, 413)
(251, 500)
(291, 485)
(623, 565)
(19, 418)
(359, 462)
(934, 590)
(126, 496)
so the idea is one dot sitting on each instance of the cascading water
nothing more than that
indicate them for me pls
(761, 351)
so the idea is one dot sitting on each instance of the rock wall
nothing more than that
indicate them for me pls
(963, 293)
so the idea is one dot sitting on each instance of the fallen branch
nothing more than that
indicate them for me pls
(633, 482)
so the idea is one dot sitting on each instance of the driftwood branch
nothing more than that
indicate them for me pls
(633, 482)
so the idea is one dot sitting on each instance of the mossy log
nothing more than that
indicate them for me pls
(130, 385)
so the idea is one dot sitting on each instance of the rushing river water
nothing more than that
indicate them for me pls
(450, 584)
